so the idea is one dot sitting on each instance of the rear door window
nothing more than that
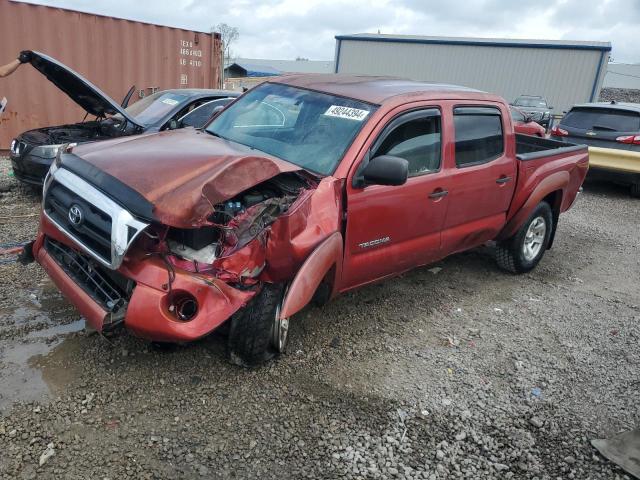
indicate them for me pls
(479, 136)
(602, 119)
(199, 115)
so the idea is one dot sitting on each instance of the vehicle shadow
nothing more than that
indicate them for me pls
(610, 189)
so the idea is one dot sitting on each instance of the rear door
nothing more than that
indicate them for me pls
(482, 178)
(390, 229)
(600, 126)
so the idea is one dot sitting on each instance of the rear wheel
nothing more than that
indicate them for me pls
(257, 334)
(522, 252)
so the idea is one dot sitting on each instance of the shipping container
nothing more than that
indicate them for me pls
(111, 53)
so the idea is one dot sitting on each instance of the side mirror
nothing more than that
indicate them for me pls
(173, 124)
(386, 170)
(549, 107)
(216, 111)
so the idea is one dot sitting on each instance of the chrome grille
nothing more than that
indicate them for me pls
(18, 147)
(95, 228)
(536, 116)
(97, 224)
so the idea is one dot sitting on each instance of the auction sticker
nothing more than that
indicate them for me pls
(170, 101)
(346, 112)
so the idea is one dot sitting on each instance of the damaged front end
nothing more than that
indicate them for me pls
(166, 283)
(232, 246)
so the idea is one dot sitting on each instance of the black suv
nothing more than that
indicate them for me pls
(605, 125)
(536, 107)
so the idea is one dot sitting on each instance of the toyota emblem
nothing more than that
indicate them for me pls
(75, 215)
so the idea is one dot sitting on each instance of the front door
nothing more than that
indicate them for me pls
(390, 229)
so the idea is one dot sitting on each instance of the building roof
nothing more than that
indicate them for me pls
(252, 70)
(487, 42)
(290, 66)
(375, 89)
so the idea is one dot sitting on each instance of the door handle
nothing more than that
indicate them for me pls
(503, 179)
(439, 193)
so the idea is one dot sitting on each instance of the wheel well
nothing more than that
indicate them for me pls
(554, 199)
(325, 288)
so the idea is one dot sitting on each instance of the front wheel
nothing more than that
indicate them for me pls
(522, 252)
(257, 333)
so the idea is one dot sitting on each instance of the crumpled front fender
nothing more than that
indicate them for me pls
(326, 256)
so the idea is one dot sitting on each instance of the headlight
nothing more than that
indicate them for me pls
(56, 161)
(53, 167)
(14, 146)
(46, 151)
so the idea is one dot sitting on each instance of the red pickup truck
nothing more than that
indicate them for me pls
(302, 188)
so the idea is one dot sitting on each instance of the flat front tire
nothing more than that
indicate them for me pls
(522, 252)
(257, 334)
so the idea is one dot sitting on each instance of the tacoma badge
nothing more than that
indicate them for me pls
(373, 243)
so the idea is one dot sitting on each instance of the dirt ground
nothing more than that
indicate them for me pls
(457, 370)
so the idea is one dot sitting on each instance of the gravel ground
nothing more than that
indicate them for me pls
(452, 371)
(620, 95)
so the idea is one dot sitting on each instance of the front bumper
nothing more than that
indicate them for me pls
(148, 314)
(88, 308)
(30, 168)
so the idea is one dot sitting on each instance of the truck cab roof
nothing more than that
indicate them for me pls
(379, 90)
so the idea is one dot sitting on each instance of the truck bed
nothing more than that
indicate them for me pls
(555, 163)
(530, 148)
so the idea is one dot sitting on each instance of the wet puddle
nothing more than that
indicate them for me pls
(63, 329)
(35, 345)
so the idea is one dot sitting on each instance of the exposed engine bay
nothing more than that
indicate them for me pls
(77, 132)
(232, 246)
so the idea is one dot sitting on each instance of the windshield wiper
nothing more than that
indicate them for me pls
(214, 133)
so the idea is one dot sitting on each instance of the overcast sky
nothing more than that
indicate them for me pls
(285, 29)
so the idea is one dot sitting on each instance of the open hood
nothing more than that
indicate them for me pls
(79, 89)
(181, 174)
